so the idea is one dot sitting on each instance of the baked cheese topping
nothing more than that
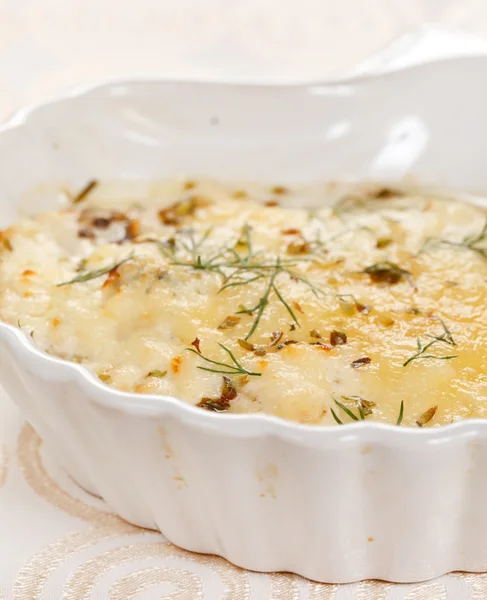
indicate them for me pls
(371, 305)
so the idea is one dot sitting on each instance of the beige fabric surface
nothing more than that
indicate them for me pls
(56, 541)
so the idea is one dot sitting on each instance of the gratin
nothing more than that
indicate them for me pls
(371, 305)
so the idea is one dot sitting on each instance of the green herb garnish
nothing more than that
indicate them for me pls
(335, 416)
(478, 243)
(401, 413)
(83, 193)
(475, 243)
(264, 301)
(348, 411)
(88, 275)
(445, 337)
(238, 269)
(364, 408)
(156, 373)
(233, 368)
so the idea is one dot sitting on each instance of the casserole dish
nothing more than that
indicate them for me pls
(332, 504)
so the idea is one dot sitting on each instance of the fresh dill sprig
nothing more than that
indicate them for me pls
(476, 243)
(268, 274)
(233, 368)
(401, 413)
(316, 290)
(248, 242)
(361, 413)
(195, 246)
(88, 275)
(264, 301)
(207, 264)
(348, 412)
(85, 191)
(239, 282)
(361, 404)
(237, 269)
(336, 417)
(445, 337)
(230, 257)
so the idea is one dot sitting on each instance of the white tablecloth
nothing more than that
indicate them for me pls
(56, 541)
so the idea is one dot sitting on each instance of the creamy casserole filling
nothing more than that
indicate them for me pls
(246, 300)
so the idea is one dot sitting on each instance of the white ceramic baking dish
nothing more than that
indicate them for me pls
(334, 504)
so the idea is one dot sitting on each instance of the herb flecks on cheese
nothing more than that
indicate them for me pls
(323, 305)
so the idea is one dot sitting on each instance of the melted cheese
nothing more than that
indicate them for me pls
(374, 272)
